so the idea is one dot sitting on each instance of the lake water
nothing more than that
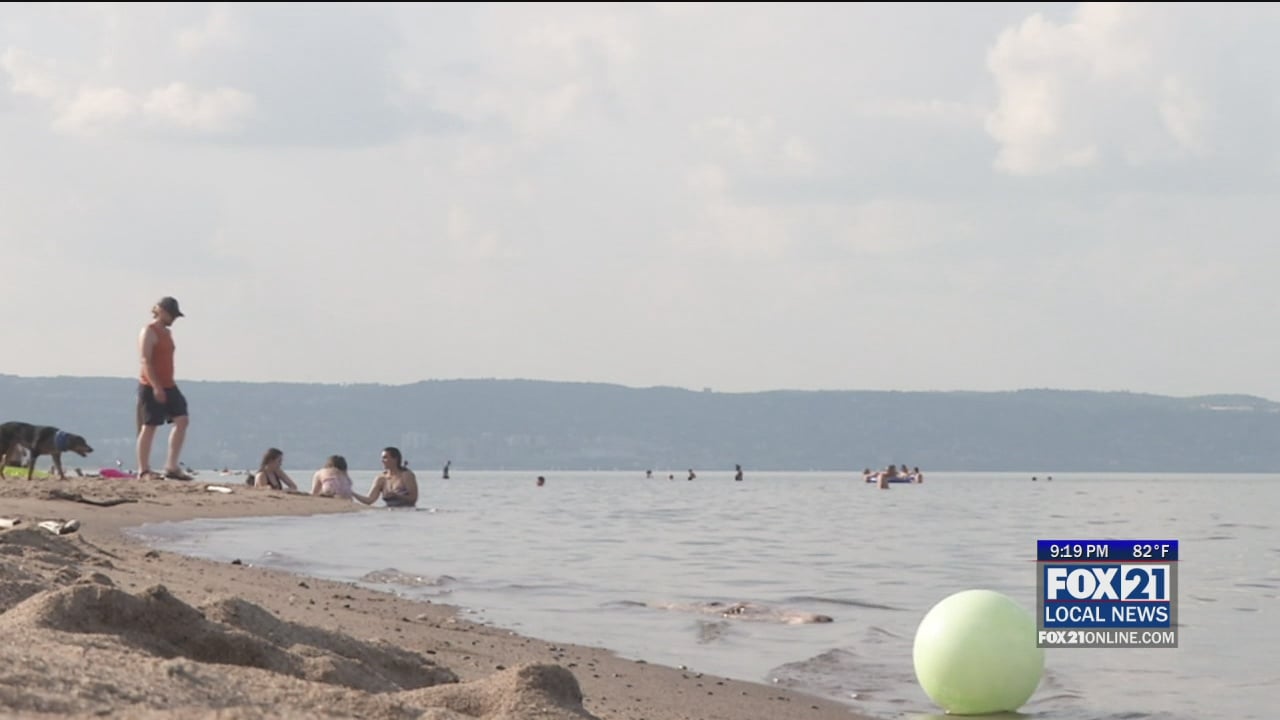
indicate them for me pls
(592, 558)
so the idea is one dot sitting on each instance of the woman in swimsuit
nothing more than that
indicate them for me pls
(332, 480)
(397, 485)
(271, 475)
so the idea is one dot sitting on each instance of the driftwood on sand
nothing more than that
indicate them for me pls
(56, 494)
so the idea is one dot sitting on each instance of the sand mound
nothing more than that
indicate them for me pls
(526, 692)
(14, 588)
(229, 653)
(333, 657)
(159, 624)
(235, 653)
(30, 560)
(31, 541)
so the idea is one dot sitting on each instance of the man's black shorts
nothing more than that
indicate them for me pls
(153, 412)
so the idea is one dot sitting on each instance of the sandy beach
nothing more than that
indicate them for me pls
(99, 625)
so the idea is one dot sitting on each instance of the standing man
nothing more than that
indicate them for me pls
(159, 399)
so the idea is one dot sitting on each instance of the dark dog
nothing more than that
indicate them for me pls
(41, 440)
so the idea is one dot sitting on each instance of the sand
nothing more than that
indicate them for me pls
(98, 625)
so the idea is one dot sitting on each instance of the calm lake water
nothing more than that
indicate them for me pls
(596, 558)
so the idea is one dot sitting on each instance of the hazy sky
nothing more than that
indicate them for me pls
(749, 197)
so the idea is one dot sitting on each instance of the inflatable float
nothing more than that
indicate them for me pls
(114, 473)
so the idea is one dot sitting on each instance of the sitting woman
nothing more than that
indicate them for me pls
(271, 475)
(397, 485)
(332, 480)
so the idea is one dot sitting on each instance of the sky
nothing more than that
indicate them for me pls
(737, 197)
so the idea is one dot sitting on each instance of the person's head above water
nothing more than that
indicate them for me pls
(391, 456)
(270, 456)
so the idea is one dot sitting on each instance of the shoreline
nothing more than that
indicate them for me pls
(331, 648)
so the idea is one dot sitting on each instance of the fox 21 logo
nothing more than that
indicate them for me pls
(1117, 583)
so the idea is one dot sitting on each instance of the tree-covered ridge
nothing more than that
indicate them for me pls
(530, 424)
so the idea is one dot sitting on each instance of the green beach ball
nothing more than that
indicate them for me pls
(975, 653)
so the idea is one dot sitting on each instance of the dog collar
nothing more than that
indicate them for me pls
(60, 440)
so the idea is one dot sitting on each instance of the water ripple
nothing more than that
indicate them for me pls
(840, 601)
(554, 562)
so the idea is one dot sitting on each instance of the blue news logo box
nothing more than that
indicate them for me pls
(1135, 596)
(1121, 585)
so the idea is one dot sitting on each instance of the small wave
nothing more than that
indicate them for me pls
(829, 673)
(1254, 684)
(849, 602)
(844, 676)
(745, 610)
(1055, 699)
(535, 587)
(392, 576)
(281, 560)
(712, 631)
(624, 603)
(1251, 526)
(875, 632)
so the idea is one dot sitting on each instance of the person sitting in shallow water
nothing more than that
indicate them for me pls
(270, 473)
(332, 480)
(397, 485)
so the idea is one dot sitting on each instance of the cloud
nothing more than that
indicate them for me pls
(723, 228)
(887, 227)
(931, 112)
(29, 75)
(245, 74)
(92, 109)
(687, 194)
(219, 29)
(539, 72)
(758, 146)
(471, 241)
(216, 111)
(1129, 86)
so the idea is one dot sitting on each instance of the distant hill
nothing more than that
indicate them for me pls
(538, 425)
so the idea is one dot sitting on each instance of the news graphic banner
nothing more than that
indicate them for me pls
(1107, 593)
